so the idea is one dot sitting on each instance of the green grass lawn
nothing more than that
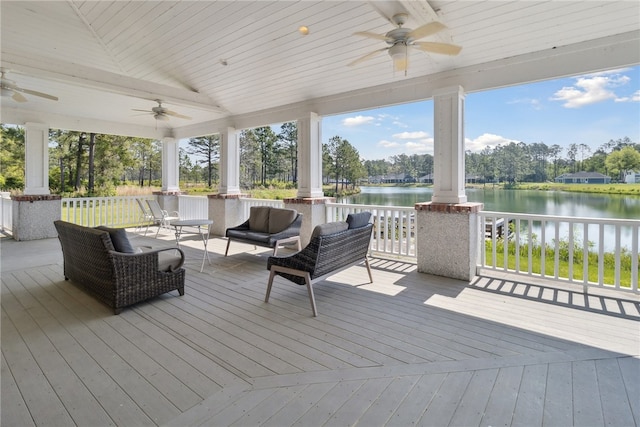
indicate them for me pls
(563, 262)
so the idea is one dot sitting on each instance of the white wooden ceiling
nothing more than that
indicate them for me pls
(105, 58)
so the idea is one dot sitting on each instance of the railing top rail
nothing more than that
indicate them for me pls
(378, 207)
(252, 199)
(591, 220)
(148, 196)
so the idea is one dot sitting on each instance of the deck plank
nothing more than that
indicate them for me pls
(558, 404)
(530, 404)
(502, 400)
(630, 371)
(15, 411)
(616, 407)
(474, 401)
(587, 403)
(416, 400)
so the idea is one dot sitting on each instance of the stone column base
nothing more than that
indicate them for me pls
(447, 239)
(313, 213)
(226, 211)
(33, 216)
(168, 200)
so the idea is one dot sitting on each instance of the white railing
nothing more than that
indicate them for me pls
(110, 211)
(6, 213)
(394, 231)
(193, 207)
(247, 203)
(588, 251)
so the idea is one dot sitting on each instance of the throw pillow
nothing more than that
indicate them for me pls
(280, 219)
(358, 220)
(259, 218)
(329, 228)
(119, 239)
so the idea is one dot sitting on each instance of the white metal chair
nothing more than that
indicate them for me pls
(161, 216)
(145, 218)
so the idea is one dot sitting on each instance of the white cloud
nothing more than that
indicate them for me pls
(411, 135)
(358, 120)
(591, 89)
(423, 146)
(388, 144)
(485, 140)
(633, 98)
(534, 103)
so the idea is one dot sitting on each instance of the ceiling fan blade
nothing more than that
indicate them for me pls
(441, 48)
(372, 35)
(367, 56)
(18, 97)
(36, 93)
(174, 114)
(426, 30)
(144, 111)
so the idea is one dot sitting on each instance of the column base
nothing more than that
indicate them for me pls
(33, 216)
(448, 239)
(313, 213)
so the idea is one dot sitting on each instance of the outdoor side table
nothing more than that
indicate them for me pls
(202, 226)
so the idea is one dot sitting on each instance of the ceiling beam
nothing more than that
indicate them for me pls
(80, 75)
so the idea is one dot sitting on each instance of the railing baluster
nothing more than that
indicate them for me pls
(543, 248)
(585, 256)
(634, 258)
(617, 252)
(601, 255)
(571, 251)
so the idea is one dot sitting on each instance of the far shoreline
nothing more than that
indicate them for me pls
(619, 189)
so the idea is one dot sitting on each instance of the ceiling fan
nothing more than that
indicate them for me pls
(162, 114)
(10, 88)
(400, 39)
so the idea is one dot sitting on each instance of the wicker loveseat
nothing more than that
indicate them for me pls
(104, 263)
(268, 227)
(333, 247)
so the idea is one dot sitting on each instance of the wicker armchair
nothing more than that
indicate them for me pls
(117, 278)
(333, 247)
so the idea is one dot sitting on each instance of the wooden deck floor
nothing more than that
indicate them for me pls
(408, 349)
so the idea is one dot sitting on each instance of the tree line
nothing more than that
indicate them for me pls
(94, 164)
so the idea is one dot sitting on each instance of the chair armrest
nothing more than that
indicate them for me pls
(242, 227)
(146, 262)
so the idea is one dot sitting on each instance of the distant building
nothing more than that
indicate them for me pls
(583, 178)
(427, 179)
(632, 178)
(399, 178)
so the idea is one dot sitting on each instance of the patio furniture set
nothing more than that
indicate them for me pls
(104, 262)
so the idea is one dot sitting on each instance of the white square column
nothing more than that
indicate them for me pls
(229, 162)
(448, 156)
(170, 166)
(36, 159)
(309, 157)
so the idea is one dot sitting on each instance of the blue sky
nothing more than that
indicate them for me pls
(587, 109)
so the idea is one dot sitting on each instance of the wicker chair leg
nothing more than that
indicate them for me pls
(311, 297)
(271, 276)
(366, 261)
(228, 243)
(181, 291)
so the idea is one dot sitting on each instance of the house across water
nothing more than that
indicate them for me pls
(583, 178)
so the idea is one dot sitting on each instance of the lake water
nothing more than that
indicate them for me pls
(523, 201)
(518, 201)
